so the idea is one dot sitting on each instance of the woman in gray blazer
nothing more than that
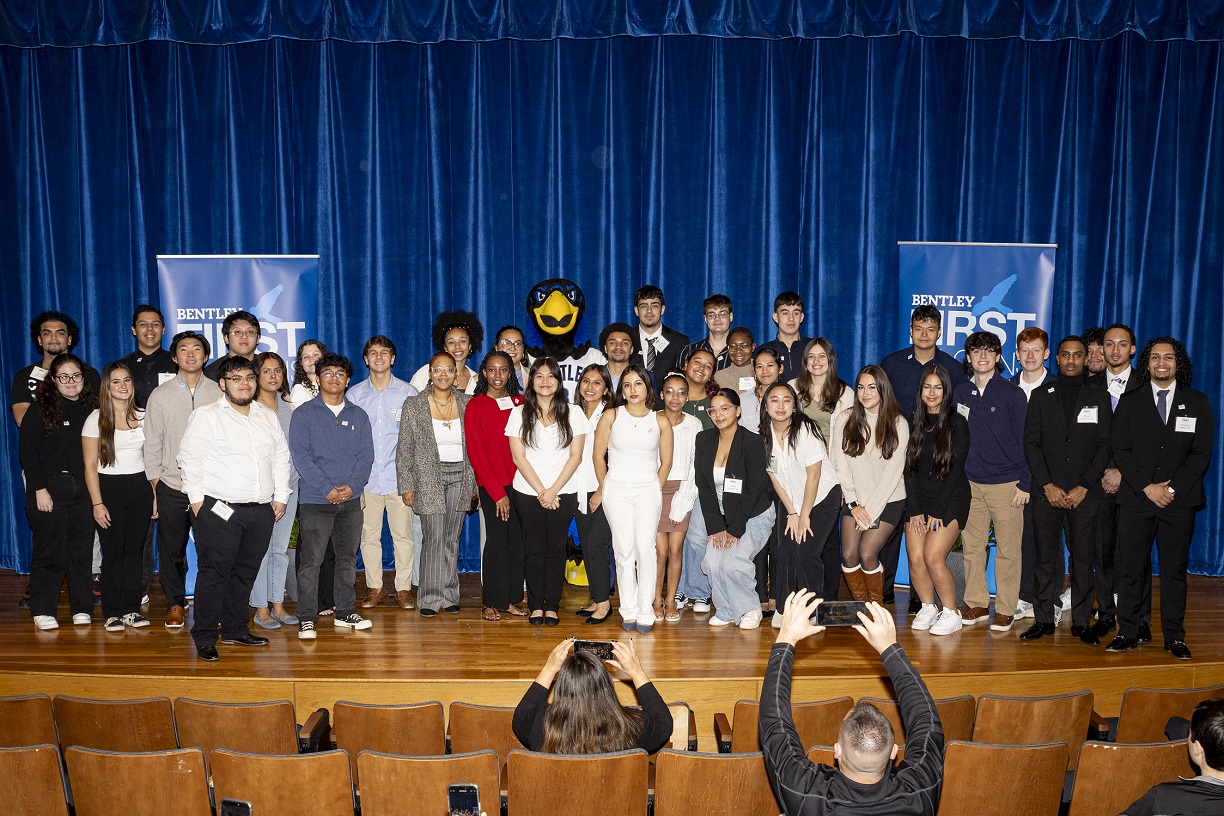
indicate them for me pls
(436, 480)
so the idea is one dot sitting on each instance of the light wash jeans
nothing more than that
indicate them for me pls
(693, 582)
(269, 587)
(732, 573)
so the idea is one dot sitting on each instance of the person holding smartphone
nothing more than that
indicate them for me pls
(868, 450)
(937, 500)
(737, 513)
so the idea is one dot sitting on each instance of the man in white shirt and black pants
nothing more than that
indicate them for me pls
(235, 464)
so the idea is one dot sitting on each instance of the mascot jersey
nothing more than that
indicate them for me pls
(556, 308)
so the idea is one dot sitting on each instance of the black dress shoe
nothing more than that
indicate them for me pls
(553, 621)
(453, 609)
(1086, 635)
(1037, 631)
(585, 613)
(594, 621)
(246, 640)
(1145, 633)
(428, 613)
(208, 652)
(1103, 626)
(536, 620)
(1121, 644)
(1178, 649)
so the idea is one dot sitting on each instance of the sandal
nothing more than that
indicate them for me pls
(658, 608)
(326, 613)
(490, 614)
(673, 613)
(516, 611)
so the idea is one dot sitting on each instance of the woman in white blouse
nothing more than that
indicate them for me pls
(868, 451)
(305, 380)
(593, 397)
(679, 494)
(113, 443)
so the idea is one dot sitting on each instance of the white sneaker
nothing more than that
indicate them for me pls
(1064, 600)
(751, 620)
(114, 624)
(46, 622)
(701, 604)
(306, 630)
(352, 621)
(135, 620)
(1024, 609)
(81, 619)
(681, 600)
(948, 621)
(777, 620)
(925, 617)
(1058, 614)
(717, 621)
(144, 601)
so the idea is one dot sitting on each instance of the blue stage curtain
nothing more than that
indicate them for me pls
(33, 23)
(459, 174)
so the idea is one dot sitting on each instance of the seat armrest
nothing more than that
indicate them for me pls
(1098, 727)
(692, 731)
(315, 734)
(722, 733)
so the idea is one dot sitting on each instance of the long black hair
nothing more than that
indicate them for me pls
(940, 425)
(798, 420)
(1184, 374)
(531, 404)
(609, 395)
(482, 382)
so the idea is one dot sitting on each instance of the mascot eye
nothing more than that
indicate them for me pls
(537, 296)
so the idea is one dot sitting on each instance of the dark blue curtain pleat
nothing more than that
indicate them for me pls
(457, 175)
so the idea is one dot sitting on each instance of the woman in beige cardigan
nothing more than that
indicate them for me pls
(868, 453)
(436, 480)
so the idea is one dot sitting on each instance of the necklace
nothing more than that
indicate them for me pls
(444, 419)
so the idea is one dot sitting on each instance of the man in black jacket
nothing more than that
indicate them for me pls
(655, 346)
(1162, 438)
(1066, 443)
(868, 782)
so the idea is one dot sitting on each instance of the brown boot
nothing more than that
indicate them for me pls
(854, 580)
(873, 583)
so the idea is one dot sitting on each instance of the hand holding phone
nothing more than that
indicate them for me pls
(463, 799)
(839, 613)
(600, 648)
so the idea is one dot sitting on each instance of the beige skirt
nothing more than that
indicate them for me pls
(666, 525)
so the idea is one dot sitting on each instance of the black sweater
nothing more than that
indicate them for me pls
(926, 495)
(806, 789)
(656, 718)
(43, 456)
(1187, 797)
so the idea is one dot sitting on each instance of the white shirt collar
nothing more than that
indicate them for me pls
(660, 341)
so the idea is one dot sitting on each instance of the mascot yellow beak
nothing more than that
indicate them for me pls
(556, 314)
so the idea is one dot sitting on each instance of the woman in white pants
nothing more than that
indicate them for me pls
(638, 445)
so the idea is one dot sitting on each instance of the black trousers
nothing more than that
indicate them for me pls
(812, 565)
(763, 561)
(62, 548)
(545, 533)
(229, 553)
(596, 538)
(502, 562)
(1173, 528)
(1048, 523)
(150, 556)
(129, 500)
(174, 522)
(1109, 565)
(1028, 557)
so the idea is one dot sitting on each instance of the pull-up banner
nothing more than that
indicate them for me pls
(999, 288)
(198, 291)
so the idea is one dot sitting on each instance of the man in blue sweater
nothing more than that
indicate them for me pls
(332, 447)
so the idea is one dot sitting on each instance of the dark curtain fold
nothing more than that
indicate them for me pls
(457, 175)
(34, 23)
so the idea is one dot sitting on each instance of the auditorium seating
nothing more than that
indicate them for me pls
(116, 725)
(27, 720)
(955, 716)
(1002, 780)
(687, 782)
(256, 728)
(33, 781)
(602, 785)
(1034, 720)
(405, 730)
(479, 727)
(108, 783)
(1110, 776)
(385, 778)
(1146, 711)
(817, 724)
(317, 784)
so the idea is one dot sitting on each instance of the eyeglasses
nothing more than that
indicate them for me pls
(740, 346)
(675, 392)
(69, 378)
(721, 313)
(511, 344)
(249, 378)
(333, 375)
(244, 333)
(442, 370)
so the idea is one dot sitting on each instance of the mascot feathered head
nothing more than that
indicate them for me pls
(556, 307)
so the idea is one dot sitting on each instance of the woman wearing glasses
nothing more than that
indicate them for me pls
(436, 480)
(57, 501)
(868, 453)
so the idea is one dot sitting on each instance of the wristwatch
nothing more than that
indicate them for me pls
(853, 505)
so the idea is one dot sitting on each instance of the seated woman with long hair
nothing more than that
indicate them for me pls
(585, 717)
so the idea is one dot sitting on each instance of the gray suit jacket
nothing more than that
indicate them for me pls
(417, 467)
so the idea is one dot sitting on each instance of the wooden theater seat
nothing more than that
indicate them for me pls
(817, 724)
(116, 725)
(1002, 780)
(316, 784)
(1034, 720)
(27, 720)
(108, 782)
(595, 785)
(687, 782)
(407, 730)
(384, 779)
(1110, 776)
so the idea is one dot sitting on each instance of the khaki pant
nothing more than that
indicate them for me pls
(399, 519)
(993, 503)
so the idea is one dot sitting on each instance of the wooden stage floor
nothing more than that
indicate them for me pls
(406, 658)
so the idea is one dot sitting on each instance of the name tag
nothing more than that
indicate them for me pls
(162, 379)
(398, 413)
(962, 409)
(136, 434)
(223, 510)
(733, 485)
(1185, 424)
(505, 403)
(747, 383)
(1087, 414)
(39, 373)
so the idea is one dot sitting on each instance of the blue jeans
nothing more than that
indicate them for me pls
(732, 573)
(269, 585)
(693, 582)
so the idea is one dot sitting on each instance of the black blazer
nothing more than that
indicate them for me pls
(1132, 384)
(745, 461)
(1147, 452)
(666, 360)
(1073, 455)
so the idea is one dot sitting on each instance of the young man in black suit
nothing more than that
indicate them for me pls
(1162, 438)
(655, 346)
(1066, 443)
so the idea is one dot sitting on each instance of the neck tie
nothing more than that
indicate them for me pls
(650, 354)
(1162, 397)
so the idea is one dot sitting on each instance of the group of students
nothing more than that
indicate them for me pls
(714, 472)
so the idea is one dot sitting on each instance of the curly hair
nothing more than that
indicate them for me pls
(49, 400)
(458, 319)
(300, 377)
(48, 317)
(1184, 373)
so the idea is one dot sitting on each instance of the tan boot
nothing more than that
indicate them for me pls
(854, 580)
(874, 584)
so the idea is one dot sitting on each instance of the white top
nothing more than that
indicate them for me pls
(129, 445)
(302, 393)
(750, 411)
(1029, 387)
(232, 457)
(335, 409)
(585, 475)
(547, 455)
(684, 448)
(790, 466)
(633, 448)
(720, 473)
(450, 440)
(421, 379)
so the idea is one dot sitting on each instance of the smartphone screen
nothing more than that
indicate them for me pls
(839, 613)
(600, 648)
(463, 800)
(236, 807)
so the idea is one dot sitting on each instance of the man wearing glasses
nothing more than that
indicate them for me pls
(235, 465)
(241, 332)
(718, 317)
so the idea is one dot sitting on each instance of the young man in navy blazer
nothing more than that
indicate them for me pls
(1162, 438)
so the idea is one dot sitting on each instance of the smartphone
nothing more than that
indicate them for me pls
(236, 807)
(463, 799)
(600, 648)
(839, 613)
